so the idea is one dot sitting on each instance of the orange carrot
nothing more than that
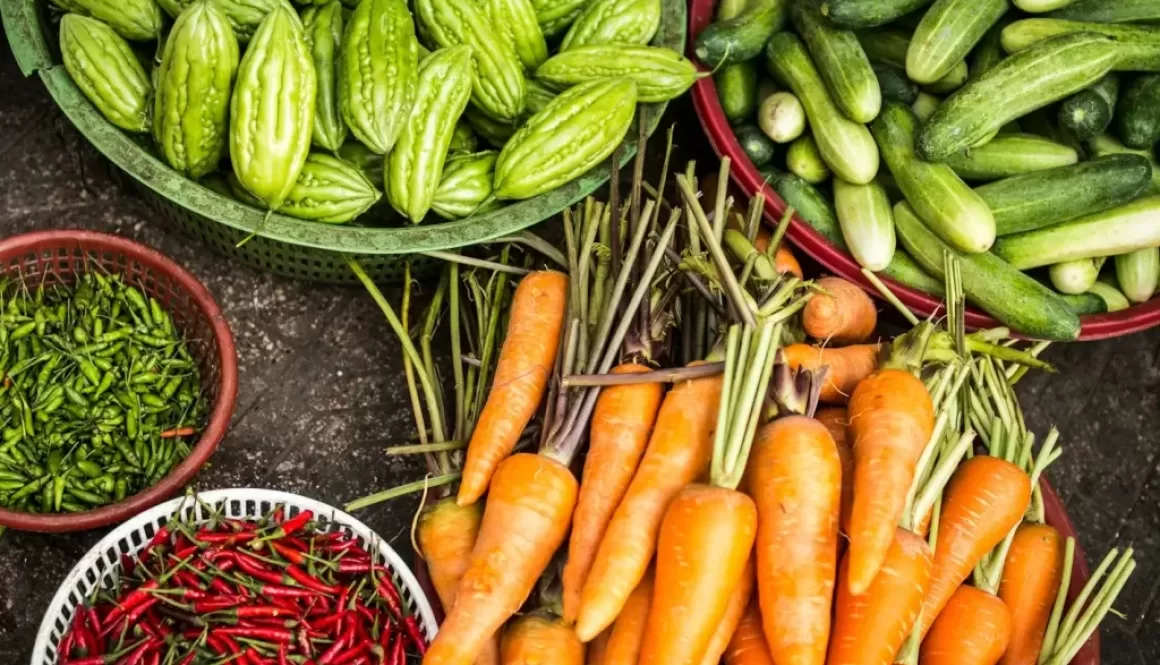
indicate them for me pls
(446, 534)
(841, 313)
(784, 261)
(836, 420)
(678, 452)
(597, 649)
(521, 375)
(704, 545)
(845, 366)
(1031, 578)
(627, 634)
(871, 627)
(524, 523)
(535, 639)
(620, 428)
(796, 482)
(748, 646)
(973, 629)
(891, 420)
(733, 613)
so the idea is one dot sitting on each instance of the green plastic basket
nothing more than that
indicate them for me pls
(284, 245)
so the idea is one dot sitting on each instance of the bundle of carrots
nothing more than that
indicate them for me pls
(764, 480)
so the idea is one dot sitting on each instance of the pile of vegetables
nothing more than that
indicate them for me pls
(324, 107)
(763, 480)
(1019, 135)
(99, 393)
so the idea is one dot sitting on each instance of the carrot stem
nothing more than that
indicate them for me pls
(724, 270)
(782, 224)
(1048, 646)
(408, 366)
(1083, 618)
(719, 204)
(533, 241)
(1016, 373)
(456, 352)
(748, 365)
(453, 257)
(401, 490)
(667, 375)
(890, 297)
(941, 475)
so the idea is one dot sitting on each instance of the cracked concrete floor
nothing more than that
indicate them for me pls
(320, 394)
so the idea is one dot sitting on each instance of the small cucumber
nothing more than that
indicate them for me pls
(1028, 80)
(845, 145)
(924, 106)
(894, 85)
(940, 198)
(889, 47)
(754, 143)
(841, 62)
(1106, 145)
(811, 205)
(1086, 303)
(737, 90)
(867, 222)
(1111, 11)
(1011, 154)
(1137, 46)
(868, 13)
(905, 270)
(1035, 200)
(1074, 277)
(1120, 230)
(954, 79)
(803, 159)
(1015, 299)
(990, 51)
(743, 36)
(1137, 272)
(1113, 299)
(1089, 112)
(947, 33)
(1041, 6)
(1138, 115)
(782, 117)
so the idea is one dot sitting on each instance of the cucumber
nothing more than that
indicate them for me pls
(891, 185)
(1015, 299)
(954, 79)
(1111, 11)
(1138, 115)
(924, 106)
(905, 270)
(1137, 46)
(1035, 200)
(1011, 154)
(1028, 80)
(803, 159)
(1137, 272)
(1114, 301)
(867, 222)
(1106, 145)
(782, 117)
(845, 145)
(841, 62)
(894, 85)
(889, 47)
(743, 36)
(1089, 111)
(940, 198)
(737, 90)
(1074, 277)
(1120, 230)
(947, 33)
(868, 13)
(989, 52)
(1041, 6)
(754, 143)
(1086, 303)
(811, 205)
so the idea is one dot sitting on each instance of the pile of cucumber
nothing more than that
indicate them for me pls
(1020, 135)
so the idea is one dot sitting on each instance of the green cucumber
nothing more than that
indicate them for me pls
(890, 185)
(782, 117)
(1074, 277)
(1137, 272)
(989, 52)
(841, 62)
(1089, 112)
(1035, 200)
(940, 198)
(737, 90)
(743, 36)
(924, 106)
(1011, 154)
(905, 270)
(1106, 145)
(803, 159)
(1015, 299)
(1086, 303)
(1111, 11)
(894, 85)
(1041, 6)
(868, 13)
(845, 145)
(1114, 301)
(947, 33)
(954, 79)
(1138, 115)
(867, 222)
(1137, 46)
(1120, 230)
(811, 205)
(1028, 80)
(889, 47)
(754, 143)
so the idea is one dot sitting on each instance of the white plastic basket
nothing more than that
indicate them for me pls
(101, 562)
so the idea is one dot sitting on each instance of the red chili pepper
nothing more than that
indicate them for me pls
(352, 653)
(226, 566)
(187, 579)
(304, 644)
(131, 617)
(158, 538)
(385, 637)
(131, 600)
(398, 653)
(310, 582)
(296, 542)
(154, 658)
(268, 634)
(339, 645)
(137, 655)
(361, 660)
(188, 660)
(186, 551)
(387, 591)
(353, 566)
(289, 553)
(255, 570)
(216, 604)
(411, 627)
(228, 538)
(286, 527)
(366, 612)
(329, 621)
(282, 659)
(253, 611)
(65, 647)
(220, 586)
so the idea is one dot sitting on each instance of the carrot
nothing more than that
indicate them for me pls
(521, 375)
(733, 613)
(984, 500)
(446, 534)
(1031, 578)
(678, 452)
(796, 482)
(535, 639)
(870, 628)
(973, 629)
(748, 646)
(841, 313)
(784, 261)
(845, 366)
(628, 632)
(891, 420)
(836, 420)
(597, 649)
(620, 428)
(704, 546)
(525, 521)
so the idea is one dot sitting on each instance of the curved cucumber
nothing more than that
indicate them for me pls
(1041, 6)
(1011, 154)
(1106, 145)
(1111, 11)
(1015, 299)
(905, 270)
(868, 13)
(940, 198)
(1137, 272)
(803, 159)
(889, 47)
(867, 222)
(1137, 46)
(1138, 115)
(947, 33)
(1123, 229)
(1075, 277)
(845, 145)
(841, 62)
(810, 204)
(737, 90)
(1086, 303)
(1114, 301)
(743, 36)
(1089, 112)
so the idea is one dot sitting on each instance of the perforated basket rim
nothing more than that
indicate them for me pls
(121, 541)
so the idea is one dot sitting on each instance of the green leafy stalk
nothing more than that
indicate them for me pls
(1083, 618)
(749, 359)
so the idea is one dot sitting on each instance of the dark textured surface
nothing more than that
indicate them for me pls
(321, 391)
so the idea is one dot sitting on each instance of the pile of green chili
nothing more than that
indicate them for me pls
(98, 394)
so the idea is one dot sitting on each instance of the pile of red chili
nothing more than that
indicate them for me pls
(274, 591)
